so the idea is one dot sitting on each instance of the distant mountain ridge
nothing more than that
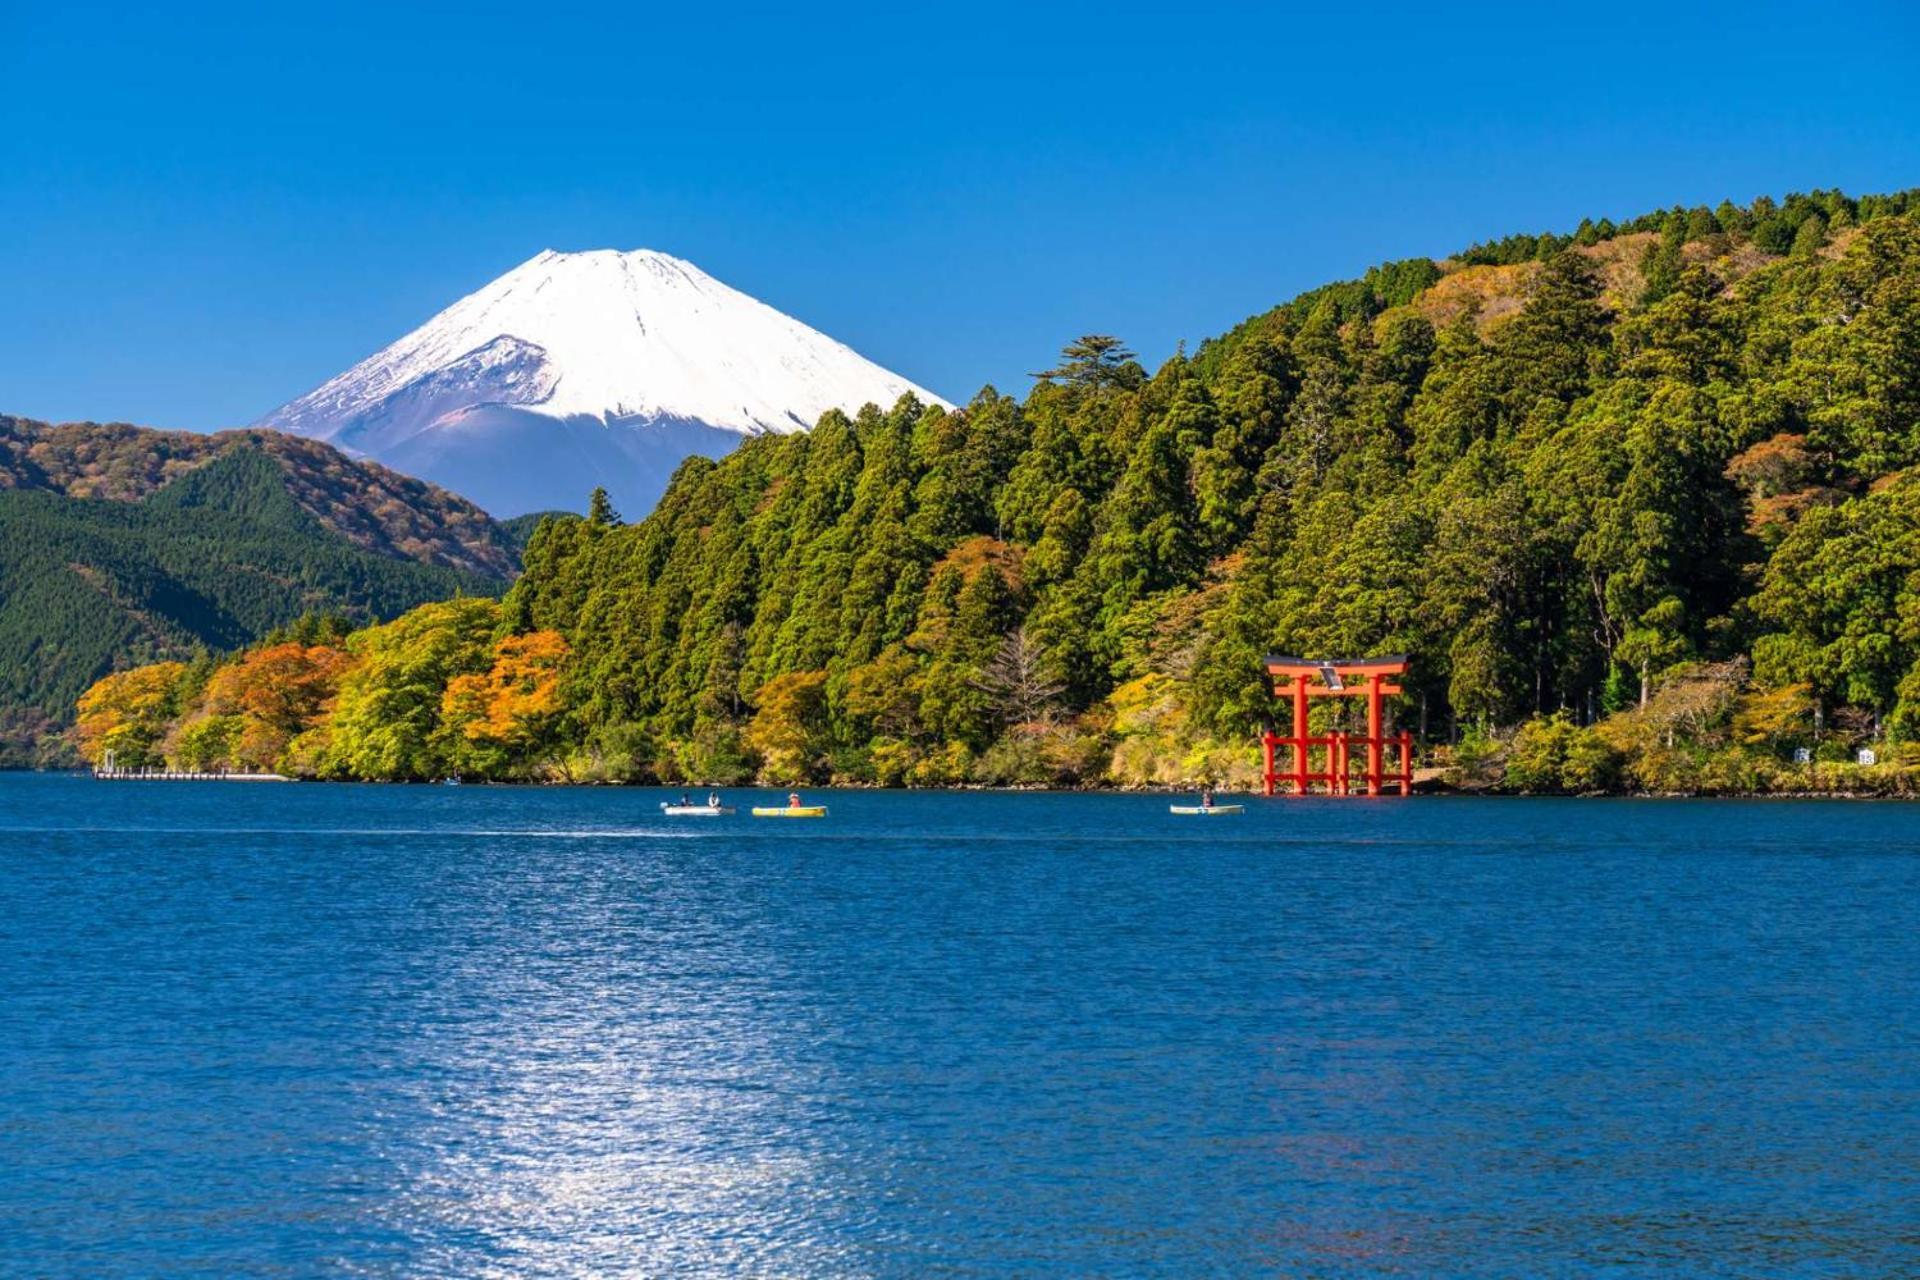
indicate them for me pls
(121, 545)
(577, 370)
(369, 505)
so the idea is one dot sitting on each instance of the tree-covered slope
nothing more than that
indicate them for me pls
(1639, 501)
(1631, 473)
(365, 503)
(212, 558)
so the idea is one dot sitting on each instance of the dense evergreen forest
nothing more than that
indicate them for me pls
(119, 546)
(1638, 502)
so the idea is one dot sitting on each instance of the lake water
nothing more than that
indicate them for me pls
(301, 1030)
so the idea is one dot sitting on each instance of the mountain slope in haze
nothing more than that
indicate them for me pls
(582, 369)
(120, 546)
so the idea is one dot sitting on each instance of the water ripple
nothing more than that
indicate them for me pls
(503, 1032)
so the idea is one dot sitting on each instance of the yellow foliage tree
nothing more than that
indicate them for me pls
(128, 713)
(387, 721)
(1158, 745)
(788, 730)
(1150, 722)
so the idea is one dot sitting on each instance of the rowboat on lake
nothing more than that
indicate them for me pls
(1205, 810)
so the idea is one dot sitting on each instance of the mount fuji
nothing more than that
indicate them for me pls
(582, 369)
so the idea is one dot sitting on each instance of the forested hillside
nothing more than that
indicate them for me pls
(1636, 500)
(120, 546)
(365, 503)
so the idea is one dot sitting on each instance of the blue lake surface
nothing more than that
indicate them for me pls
(360, 1030)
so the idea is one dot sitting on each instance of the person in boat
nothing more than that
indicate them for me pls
(684, 802)
(713, 799)
(793, 799)
(1206, 797)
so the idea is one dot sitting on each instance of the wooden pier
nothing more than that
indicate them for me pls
(184, 775)
(108, 771)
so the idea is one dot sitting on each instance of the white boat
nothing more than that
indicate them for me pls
(1205, 810)
(695, 810)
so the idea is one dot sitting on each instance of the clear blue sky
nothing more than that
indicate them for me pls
(205, 211)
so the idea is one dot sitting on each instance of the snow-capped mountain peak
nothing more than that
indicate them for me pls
(621, 341)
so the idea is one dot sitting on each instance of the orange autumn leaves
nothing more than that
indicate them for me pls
(515, 702)
(265, 700)
(240, 715)
(432, 693)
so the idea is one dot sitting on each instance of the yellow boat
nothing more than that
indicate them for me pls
(793, 811)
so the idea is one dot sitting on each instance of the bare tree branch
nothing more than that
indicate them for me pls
(1016, 679)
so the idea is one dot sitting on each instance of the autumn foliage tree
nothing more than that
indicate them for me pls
(788, 729)
(509, 713)
(389, 719)
(270, 696)
(128, 713)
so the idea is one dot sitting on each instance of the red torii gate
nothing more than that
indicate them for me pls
(1302, 679)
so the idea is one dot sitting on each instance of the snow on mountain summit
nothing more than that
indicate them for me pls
(621, 342)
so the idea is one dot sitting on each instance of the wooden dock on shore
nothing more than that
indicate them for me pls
(107, 771)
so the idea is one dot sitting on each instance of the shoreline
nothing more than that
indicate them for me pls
(1427, 790)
